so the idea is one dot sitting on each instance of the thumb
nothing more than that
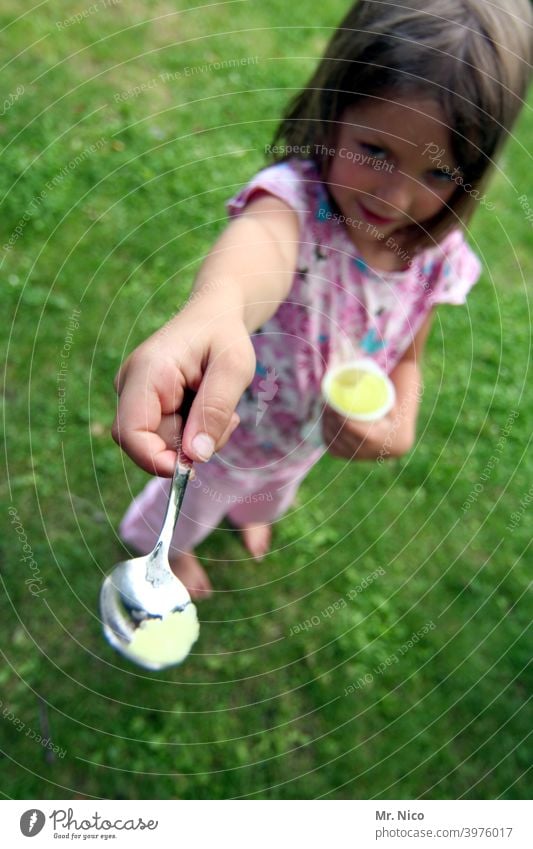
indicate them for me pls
(225, 379)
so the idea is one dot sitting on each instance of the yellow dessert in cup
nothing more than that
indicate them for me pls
(359, 389)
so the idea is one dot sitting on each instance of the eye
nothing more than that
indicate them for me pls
(374, 151)
(442, 176)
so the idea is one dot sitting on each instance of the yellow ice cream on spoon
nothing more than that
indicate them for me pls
(162, 642)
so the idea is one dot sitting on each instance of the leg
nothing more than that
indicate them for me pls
(191, 573)
(255, 513)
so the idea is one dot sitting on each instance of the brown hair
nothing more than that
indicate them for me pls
(472, 56)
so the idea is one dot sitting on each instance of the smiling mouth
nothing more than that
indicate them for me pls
(372, 218)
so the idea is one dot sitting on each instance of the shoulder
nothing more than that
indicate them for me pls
(293, 182)
(451, 268)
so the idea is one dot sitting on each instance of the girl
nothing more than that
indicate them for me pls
(343, 247)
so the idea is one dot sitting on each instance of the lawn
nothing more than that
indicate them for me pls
(383, 648)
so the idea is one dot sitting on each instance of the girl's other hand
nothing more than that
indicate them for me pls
(215, 363)
(390, 436)
(394, 434)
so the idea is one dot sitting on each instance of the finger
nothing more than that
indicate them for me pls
(350, 429)
(233, 425)
(339, 441)
(118, 381)
(170, 429)
(147, 449)
(139, 418)
(227, 375)
(333, 425)
(120, 376)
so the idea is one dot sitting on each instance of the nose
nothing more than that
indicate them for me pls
(396, 192)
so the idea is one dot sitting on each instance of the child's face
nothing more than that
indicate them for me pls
(385, 173)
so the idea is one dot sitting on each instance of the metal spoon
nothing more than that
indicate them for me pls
(142, 601)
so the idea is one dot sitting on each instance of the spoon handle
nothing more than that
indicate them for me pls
(158, 569)
(180, 480)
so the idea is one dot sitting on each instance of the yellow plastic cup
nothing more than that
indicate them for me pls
(359, 390)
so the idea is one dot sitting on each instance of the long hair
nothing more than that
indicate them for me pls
(472, 56)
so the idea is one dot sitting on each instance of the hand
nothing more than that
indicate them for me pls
(193, 351)
(349, 439)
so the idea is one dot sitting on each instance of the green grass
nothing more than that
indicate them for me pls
(255, 712)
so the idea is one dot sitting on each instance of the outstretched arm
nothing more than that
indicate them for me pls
(206, 348)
